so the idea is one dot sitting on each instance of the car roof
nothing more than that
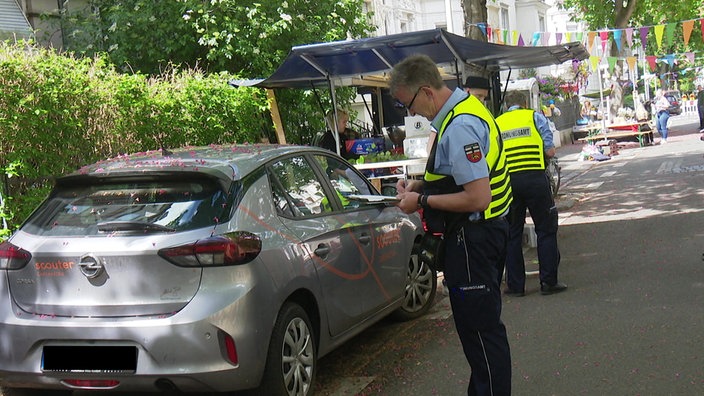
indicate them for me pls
(230, 162)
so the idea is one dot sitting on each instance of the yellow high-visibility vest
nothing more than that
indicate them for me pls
(501, 196)
(522, 142)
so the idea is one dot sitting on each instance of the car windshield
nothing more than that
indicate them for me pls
(138, 207)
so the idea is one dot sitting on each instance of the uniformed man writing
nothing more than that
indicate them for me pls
(465, 195)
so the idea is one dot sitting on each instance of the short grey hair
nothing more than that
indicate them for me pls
(516, 98)
(414, 72)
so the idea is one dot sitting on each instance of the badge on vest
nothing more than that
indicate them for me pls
(473, 153)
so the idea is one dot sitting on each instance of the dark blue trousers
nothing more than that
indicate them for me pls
(531, 190)
(474, 260)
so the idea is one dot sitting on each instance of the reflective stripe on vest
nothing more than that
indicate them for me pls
(522, 142)
(495, 159)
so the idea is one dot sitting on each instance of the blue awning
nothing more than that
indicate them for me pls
(317, 64)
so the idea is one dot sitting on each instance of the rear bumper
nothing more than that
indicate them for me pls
(188, 354)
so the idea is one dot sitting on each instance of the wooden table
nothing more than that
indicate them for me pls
(642, 131)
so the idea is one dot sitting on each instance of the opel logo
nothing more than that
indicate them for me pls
(91, 266)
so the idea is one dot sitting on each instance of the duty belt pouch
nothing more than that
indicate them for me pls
(432, 251)
(434, 221)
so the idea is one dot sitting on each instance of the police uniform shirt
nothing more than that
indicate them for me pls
(465, 130)
(543, 126)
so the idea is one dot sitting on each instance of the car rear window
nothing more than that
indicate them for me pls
(149, 206)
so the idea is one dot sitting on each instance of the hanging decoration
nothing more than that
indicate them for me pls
(687, 27)
(664, 34)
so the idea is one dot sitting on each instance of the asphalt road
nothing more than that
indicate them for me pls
(632, 320)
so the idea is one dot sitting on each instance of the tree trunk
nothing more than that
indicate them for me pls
(474, 14)
(624, 11)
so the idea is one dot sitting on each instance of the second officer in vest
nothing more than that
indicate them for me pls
(528, 145)
(465, 195)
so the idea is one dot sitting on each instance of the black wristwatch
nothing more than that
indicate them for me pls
(423, 201)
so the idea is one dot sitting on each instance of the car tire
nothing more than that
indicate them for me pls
(291, 363)
(421, 287)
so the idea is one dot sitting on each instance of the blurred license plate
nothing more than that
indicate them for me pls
(93, 359)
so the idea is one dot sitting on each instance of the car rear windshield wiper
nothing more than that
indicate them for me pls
(132, 226)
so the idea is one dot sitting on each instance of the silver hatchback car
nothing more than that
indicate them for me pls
(208, 269)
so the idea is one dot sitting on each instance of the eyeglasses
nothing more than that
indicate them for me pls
(412, 100)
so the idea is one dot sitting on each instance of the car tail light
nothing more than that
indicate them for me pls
(13, 257)
(229, 348)
(91, 384)
(230, 249)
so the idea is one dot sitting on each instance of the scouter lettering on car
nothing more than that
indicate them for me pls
(53, 268)
(388, 238)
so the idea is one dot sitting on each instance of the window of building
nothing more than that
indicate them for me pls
(503, 18)
(541, 23)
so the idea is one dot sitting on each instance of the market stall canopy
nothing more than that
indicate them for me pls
(317, 64)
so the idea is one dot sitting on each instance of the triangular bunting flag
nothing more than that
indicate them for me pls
(631, 61)
(558, 38)
(488, 34)
(617, 38)
(687, 27)
(521, 43)
(629, 36)
(612, 63)
(536, 39)
(545, 39)
(670, 34)
(568, 37)
(604, 35)
(670, 58)
(482, 27)
(690, 56)
(590, 40)
(514, 39)
(651, 61)
(644, 36)
(594, 61)
(659, 30)
(580, 36)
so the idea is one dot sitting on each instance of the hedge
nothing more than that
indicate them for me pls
(58, 112)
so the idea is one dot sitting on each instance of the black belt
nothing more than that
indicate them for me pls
(480, 221)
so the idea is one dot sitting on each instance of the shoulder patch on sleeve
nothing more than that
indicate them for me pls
(473, 153)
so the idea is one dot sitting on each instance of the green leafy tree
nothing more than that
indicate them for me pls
(246, 38)
(599, 15)
(137, 35)
(254, 37)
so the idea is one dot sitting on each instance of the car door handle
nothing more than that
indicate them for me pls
(364, 239)
(322, 250)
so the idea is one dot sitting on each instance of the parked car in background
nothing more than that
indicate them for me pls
(207, 269)
(675, 102)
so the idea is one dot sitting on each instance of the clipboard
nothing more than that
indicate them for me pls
(373, 198)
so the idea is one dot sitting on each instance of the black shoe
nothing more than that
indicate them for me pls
(552, 289)
(514, 293)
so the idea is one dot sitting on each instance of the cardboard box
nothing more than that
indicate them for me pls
(365, 146)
